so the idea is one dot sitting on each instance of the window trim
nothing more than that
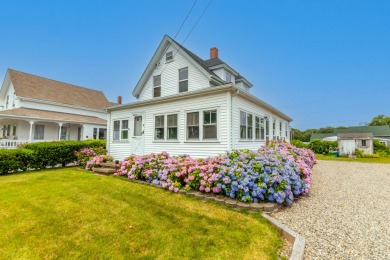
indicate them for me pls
(165, 116)
(120, 139)
(182, 80)
(156, 86)
(166, 57)
(201, 138)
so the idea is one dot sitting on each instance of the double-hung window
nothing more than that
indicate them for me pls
(39, 132)
(157, 86)
(246, 126)
(257, 128)
(169, 56)
(183, 79)
(280, 130)
(121, 130)
(165, 127)
(193, 125)
(228, 77)
(267, 127)
(210, 124)
(262, 125)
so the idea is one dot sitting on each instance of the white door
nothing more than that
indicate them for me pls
(137, 140)
(347, 147)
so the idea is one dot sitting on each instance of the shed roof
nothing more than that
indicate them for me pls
(376, 130)
(354, 136)
(36, 87)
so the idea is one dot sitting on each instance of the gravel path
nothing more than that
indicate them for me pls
(347, 213)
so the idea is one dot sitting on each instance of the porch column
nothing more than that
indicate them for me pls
(31, 128)
(59, 131)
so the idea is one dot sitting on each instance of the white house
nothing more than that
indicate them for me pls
(187, 105)
(34, 108)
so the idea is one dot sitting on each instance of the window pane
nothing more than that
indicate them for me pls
(64, 129)
(137, 125)
(243, 132)
(242, 118)
(116, 125)
(172, 133)
(193, 119)
(209, 131)
(214, 117)
(267, 126)
(228, 77)
(193, 132)
(157, 80)
(116, 135)
(183, 74)
(206, 117)
(169, 56)
(183, 86)
(262, 129)
(157, 92)
(159, 122)
(14, 131)
(250, 121)
(172, 120)
(125, 135)
(125, 124)
(159, 133)
(102, 133)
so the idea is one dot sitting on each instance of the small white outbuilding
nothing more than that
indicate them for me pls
(348, 143)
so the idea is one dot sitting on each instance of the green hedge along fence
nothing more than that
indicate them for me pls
(43, 154)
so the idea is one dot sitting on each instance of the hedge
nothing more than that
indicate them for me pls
(43, 154)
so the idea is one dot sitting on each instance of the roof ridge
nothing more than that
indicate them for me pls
(9, 69)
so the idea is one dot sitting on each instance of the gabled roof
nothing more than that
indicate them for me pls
(321, 135)
(37, 114)
(354, 136)
(376, 130)
(36, 87)
(203, 65)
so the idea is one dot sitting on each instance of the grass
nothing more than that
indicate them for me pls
(70, 213)
(368, 160)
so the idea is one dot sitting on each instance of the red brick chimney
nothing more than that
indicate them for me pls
(213, 53)
(119, 100)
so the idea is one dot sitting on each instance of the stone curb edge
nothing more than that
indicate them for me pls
(293, 237)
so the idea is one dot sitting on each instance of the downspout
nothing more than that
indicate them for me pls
(231, 118)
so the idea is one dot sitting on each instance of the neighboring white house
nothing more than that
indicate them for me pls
(187, 105)
(348, 143)
(34, 108)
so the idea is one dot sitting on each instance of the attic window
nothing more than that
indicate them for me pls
(157, 86)
(169, 56)
(228, 77)
(183, 79)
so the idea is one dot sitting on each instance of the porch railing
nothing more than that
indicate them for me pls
(13, 144)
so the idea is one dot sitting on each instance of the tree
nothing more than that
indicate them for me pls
(380, 120)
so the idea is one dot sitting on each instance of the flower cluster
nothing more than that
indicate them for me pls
(276, 173)
(97, 160)
(89, 158)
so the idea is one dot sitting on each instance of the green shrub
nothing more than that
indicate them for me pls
(381, 148)
(322, 147)
(359, 153)
(15, 160)
(299, 144)
(59, 152)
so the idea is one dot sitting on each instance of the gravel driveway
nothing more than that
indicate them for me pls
(347, 213)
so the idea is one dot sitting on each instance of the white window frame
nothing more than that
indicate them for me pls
(228, 77)
(121, 129)
(156, 86)
(210, 124)
(182, 80)
(166, 127)
(36, 134)
(169, 56)
(247, 126)
(201, 125)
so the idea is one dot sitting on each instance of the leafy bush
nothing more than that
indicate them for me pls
(58, 152)
(381, 148)
(86, 154)
(299, 144)
(15, 160)
(276, 173)
(323, 147)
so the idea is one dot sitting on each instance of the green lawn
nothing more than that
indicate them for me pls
(70, 213)
(369, 160)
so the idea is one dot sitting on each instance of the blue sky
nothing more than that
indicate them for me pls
(324, 63)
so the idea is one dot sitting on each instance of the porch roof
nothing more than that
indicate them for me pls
(36, 114)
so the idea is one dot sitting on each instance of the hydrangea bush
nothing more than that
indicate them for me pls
(92, 157)
(276, 173)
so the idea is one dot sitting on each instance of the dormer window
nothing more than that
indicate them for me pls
(183, 79)
(157, 86)
(169, 56)
(228, 77)
(6, 103)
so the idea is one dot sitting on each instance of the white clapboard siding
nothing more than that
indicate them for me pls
(170, 76)
(218, 101)
(241, 104)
